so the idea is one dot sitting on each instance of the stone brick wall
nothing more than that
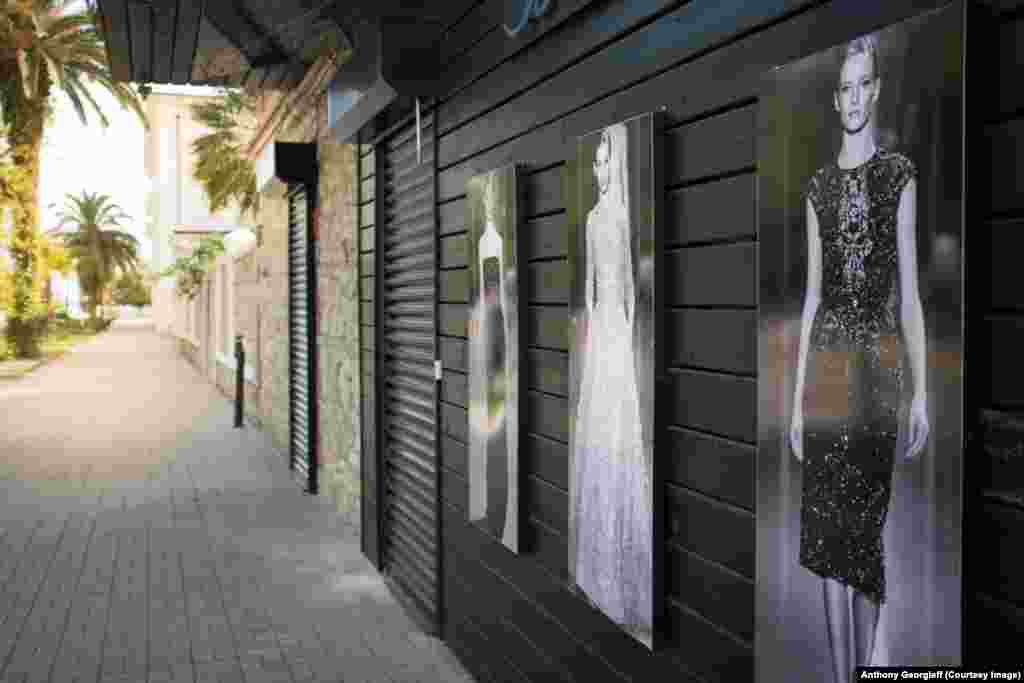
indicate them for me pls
(261, 314)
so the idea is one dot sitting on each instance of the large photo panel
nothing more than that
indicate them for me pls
(493, 215)
(614, 185)
(861, 243)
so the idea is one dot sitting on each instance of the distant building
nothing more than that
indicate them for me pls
(175, 200)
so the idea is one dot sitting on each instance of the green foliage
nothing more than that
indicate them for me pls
(44, 47)
(192, 269)
(97, 246)
(226, 175)
(131, 290)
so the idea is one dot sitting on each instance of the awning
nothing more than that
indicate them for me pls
(256, 44)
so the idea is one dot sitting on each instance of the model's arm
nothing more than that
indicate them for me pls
(811, 300)
(911, 313)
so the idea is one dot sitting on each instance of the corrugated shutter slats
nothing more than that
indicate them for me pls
(301, 334)
(406, 319)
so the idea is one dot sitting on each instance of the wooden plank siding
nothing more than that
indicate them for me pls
(994, 523)
(701, 63)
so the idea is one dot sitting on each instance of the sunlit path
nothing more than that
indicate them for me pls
(144, 539)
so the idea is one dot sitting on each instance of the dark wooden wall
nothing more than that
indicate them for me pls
(994, 526)
(525, 100)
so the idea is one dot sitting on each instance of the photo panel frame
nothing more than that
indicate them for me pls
(860, 346)
(493, 216)
(614, 192)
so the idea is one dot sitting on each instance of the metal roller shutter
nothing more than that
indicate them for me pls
(302, 338)
(407, 389)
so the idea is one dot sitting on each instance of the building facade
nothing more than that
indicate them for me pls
(520, 83)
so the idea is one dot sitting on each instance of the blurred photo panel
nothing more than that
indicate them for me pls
(493, 213)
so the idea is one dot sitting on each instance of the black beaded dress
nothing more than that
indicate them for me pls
(853, 397)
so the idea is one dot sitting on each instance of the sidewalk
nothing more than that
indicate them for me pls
(144, 539)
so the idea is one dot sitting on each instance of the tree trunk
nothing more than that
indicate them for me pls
(25, 138)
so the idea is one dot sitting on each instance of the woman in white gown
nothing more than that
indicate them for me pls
(612, 489)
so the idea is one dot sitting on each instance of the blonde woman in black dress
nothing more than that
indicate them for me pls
(853, 393)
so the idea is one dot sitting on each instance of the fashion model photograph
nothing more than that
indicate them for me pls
(860, 374)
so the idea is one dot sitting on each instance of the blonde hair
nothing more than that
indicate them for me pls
(863, 45)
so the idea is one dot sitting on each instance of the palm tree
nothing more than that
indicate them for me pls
(98, 247)
(43, 48)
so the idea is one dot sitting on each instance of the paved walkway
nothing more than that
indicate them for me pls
(144, 539)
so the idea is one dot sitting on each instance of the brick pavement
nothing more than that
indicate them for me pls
(144, 540)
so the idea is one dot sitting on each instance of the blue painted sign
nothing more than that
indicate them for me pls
(532, 9)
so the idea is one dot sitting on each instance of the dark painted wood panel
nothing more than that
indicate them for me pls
(366, 314)
(547, 458)
(455, 422)
(367, 288)
(472, 649)
(723, 77)
(454, 354)
(1008, 96)
(453, 286)
(227, 18)
(713, 530)
(369, 337)
(547, 415)
(689, 30)
(717, 467)
(546, 237)
(546, 503)
(605, 641)
(370, 526)
(1006, 362)
(720, 404)
(712, 146)
(452, 319)
(454, 455)
(1007, 243)
(188, 21)
(564, 653)
(998, 534)
(543, 192)
(547, 371)
(454, 489)
(712, 339)
(993, 629)
(707, 650)
(452, 215)
(719, 210)
(694, 277)
(455, 251)
(547, 282)
(555, 52)
(720, 596)
(140, 18)
(455, 388)
(164, 26)
(547, 326)
(1006, 150)
(500, 627)
(480, 20)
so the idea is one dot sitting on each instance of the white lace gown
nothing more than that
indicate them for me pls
(613, 504)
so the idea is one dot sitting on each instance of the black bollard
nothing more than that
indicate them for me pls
(239, 380)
